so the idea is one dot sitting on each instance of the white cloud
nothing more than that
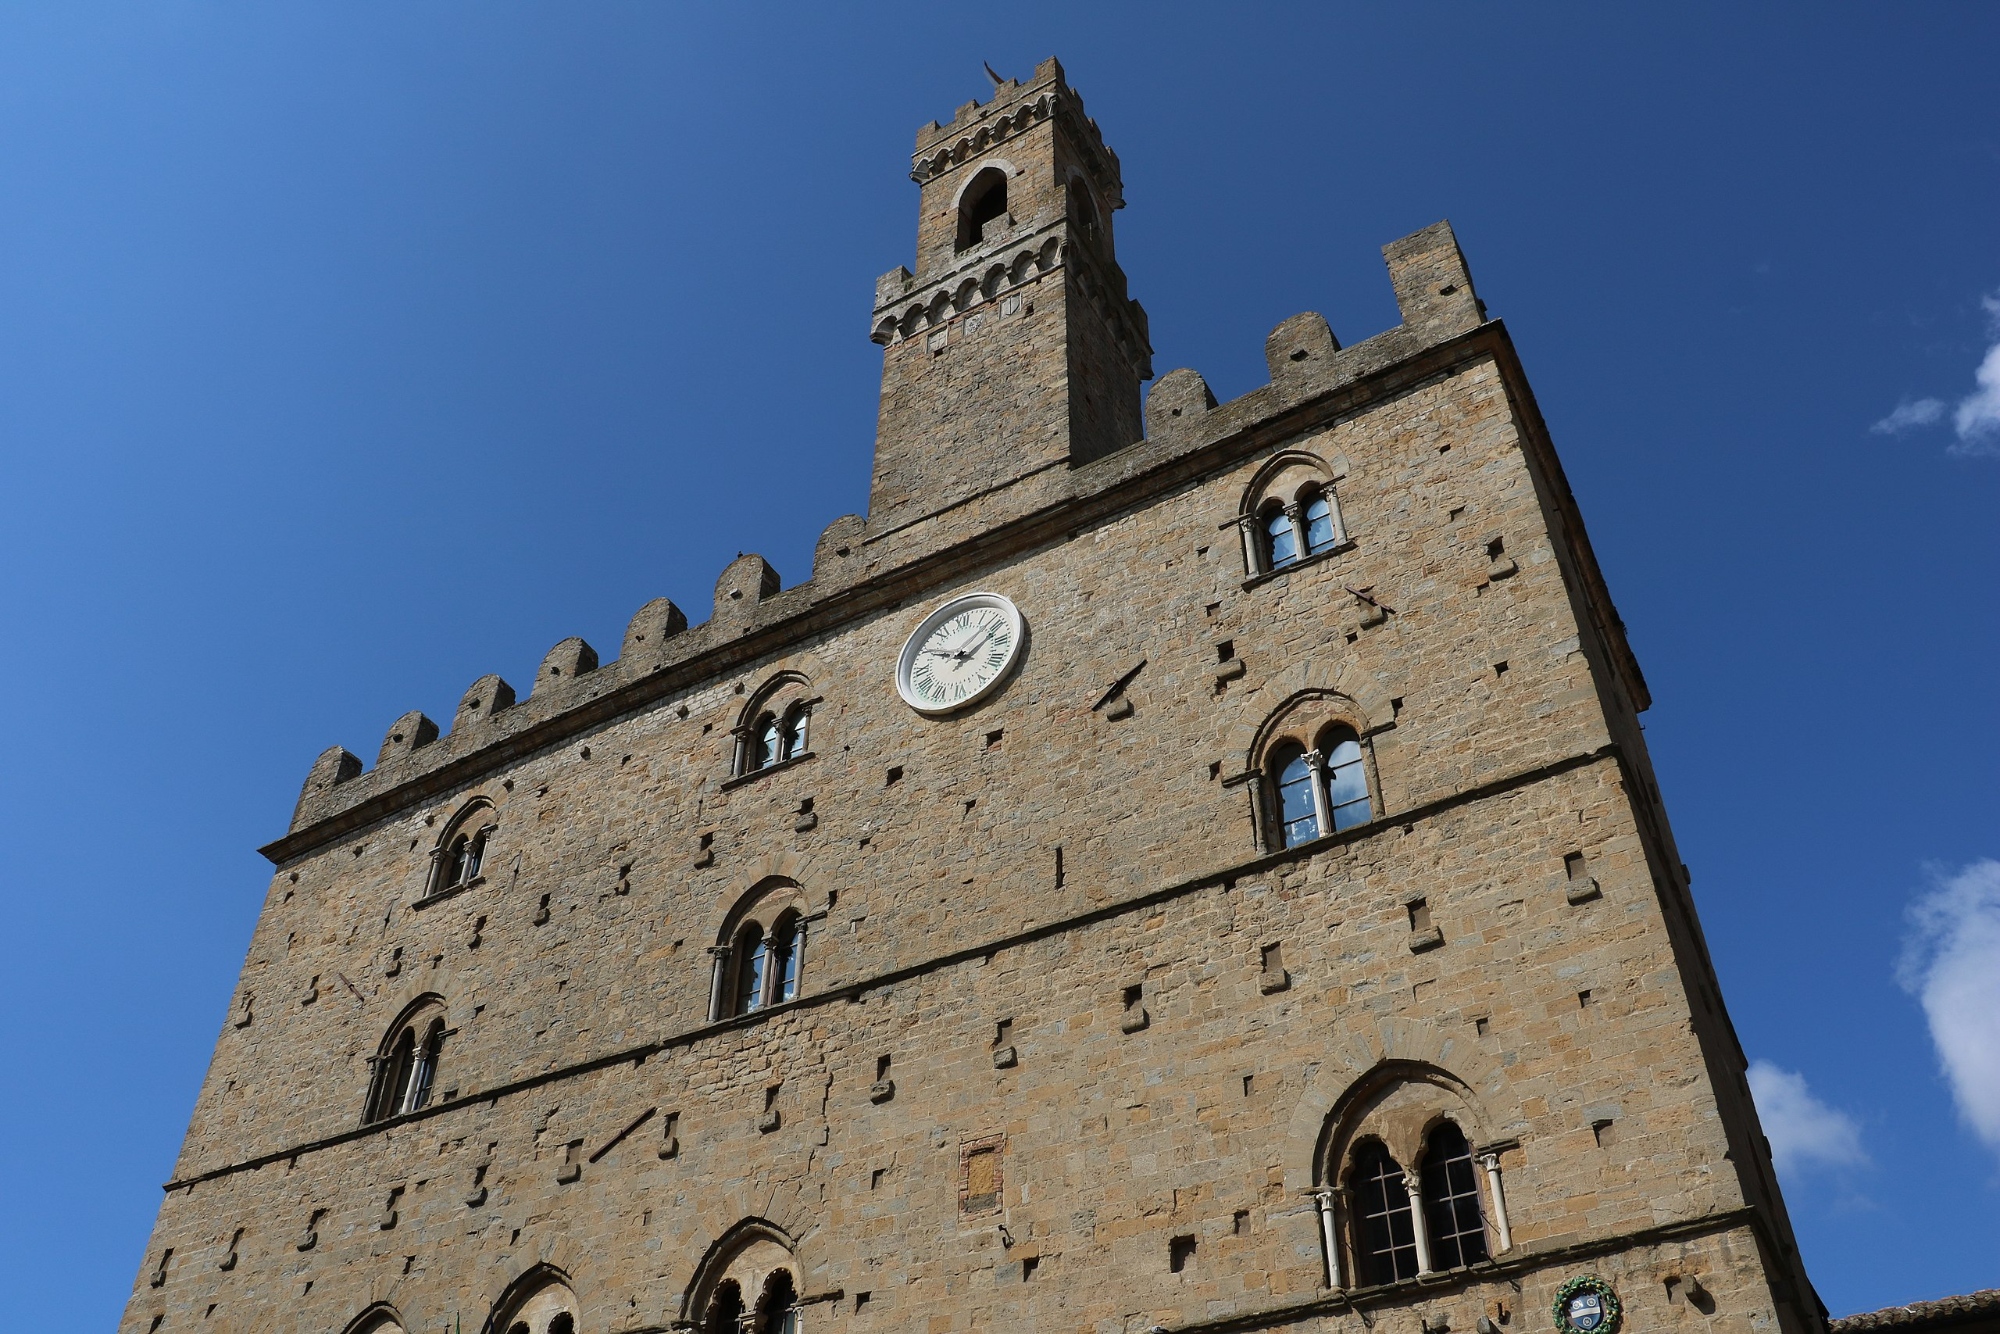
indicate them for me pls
(1975, 419)
(1951, 963)
(1908, 415)
(1803, 1130)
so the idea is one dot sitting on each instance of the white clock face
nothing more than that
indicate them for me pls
(959, 652)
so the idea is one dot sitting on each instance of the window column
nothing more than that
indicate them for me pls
(1418, 1232)
(1295, 513)
(799, 958)
(1329, 1238)
(1333, 514)
(1322, 811)
(1491, 1162)
(1249, 527)
(720, 954)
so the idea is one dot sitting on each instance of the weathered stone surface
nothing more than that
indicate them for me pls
(1075, 1042)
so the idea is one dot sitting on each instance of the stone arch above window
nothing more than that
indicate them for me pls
(775, 726)
(982, 200)
(402, 1075)
(379, 1318)
(1401, 1189)
(1290, 513)
(1314, 770)
(760, 953)
(748, 1283)
(459, 857)
(539, 1302)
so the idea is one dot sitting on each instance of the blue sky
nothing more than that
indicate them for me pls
(348, 352)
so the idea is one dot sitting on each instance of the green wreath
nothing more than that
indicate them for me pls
(1614, 1311)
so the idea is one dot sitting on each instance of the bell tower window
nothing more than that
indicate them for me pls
(1083, 211)
(984, 200)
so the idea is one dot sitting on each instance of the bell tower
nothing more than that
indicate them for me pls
(1013, 347)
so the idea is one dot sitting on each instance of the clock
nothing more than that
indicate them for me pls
(959, 653)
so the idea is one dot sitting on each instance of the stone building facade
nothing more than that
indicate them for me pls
(1285, 932)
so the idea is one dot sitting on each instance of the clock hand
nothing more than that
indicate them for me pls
(974, 646)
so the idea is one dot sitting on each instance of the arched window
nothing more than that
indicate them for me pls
(725, 1309)
(767, 964)
(538, 1303)
(753, 955)
(984, 200)
(763, 962)
(1319, 791)
(792, 731)
(1451, 1200)
(777, 1305)
(749, 1284)
(1298, 811)
(1290, 513)
(1412, 1197)
(378, 1319)
(461, 849)
(1083, 211)
(1346, 779)
(405, 1069)
(1281, 540)
(784, 960)
(773, 728)
(1385, 1242)
(1322, 533)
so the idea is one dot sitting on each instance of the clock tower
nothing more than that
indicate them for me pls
(1012, 348)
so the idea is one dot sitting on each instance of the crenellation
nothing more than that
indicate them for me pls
(649, 630)
(563, 664)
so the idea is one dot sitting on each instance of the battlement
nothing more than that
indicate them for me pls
(1015, 107)
(860, 564)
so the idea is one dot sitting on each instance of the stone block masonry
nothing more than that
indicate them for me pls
(761, 999)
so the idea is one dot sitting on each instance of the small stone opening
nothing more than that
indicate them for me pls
(983, 201)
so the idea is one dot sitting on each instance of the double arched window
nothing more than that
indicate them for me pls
(1322, 790)
(1397, 1237)
(1404, 1194)
(761, 958)
(776, 1310)
(749, 1284)
(1306, 527)
(1290, 513)
(775, 726)
(767, 964)
(461, 850)
(404, 1071)
(776, 737)
(539, 1302)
